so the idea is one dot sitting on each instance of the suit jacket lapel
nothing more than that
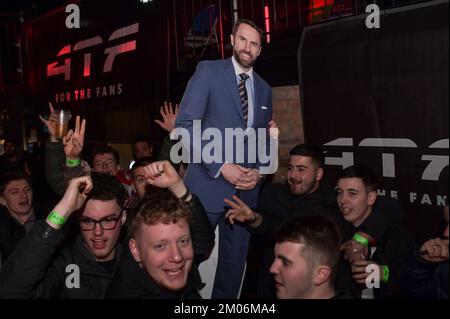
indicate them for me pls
(231, 84)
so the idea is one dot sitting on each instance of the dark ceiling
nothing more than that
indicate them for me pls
(30, 8)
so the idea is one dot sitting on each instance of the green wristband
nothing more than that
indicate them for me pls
(56, 218)
(385, 270)
(72, 163)
(361, 240)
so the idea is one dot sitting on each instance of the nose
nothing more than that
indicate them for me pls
(175, 254)
(274, 268)
(24, 194)
(294, 173)
(98, 230)
(247, 46)
(342, 198)
(446, 232)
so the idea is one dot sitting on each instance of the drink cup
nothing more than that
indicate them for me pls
(62, 123)
(354, 252)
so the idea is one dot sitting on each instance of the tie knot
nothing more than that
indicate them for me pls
(243, 76)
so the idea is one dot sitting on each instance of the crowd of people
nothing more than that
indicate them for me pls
(143, 232)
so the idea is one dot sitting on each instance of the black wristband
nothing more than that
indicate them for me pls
(186, 195)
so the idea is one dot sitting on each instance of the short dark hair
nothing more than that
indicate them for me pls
(105, 149)
(9, 177)
(250, 23)
(107, 187)
(319, 236)
(142, 138)
(366, 174)
(142, 162)
(159, 207)
(309, 150)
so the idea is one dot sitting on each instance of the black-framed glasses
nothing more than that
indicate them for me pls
(107, 223)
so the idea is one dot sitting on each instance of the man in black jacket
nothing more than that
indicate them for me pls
(167, 242)
(17, 211)
(305, 193)
(40, 268)
(377, 269)
(85, 268)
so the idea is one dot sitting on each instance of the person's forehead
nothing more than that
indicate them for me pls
(103, 156)
(97, 209)
(163, 232)
(289, 249)
(18, 183)
(248, 32)
(300, 160)
(350, 183)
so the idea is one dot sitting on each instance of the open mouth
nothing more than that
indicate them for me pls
(174, 271)
(99, 243)
(246, 56)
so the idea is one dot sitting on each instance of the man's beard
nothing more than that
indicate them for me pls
(246, 65)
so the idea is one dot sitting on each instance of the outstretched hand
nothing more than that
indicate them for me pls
(50, 122)
(74, 140)
(169, 115)
(239, 211)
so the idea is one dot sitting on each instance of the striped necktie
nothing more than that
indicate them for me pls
(243, 95)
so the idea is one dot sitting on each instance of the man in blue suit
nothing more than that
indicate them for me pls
(228, 95)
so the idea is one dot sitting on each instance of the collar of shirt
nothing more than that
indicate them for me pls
(238, 69)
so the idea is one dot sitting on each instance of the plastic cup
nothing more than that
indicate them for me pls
(62, 123)
(355, 252)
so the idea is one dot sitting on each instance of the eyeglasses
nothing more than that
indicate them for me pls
(108, 223)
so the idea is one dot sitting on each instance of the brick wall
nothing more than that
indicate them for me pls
(287, 114)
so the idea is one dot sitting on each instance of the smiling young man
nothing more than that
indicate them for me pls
(357, 197)
(40, 268)
(162, 263)
(170, 235)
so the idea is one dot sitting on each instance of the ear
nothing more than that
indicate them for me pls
(319, 173)
(260, 48)
(322, 274)
(372, 197)
(232, 40)
(3, 201)
(134, 250)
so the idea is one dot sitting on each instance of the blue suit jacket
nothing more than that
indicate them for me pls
(212, 96)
